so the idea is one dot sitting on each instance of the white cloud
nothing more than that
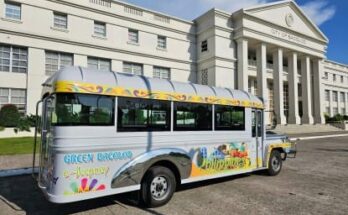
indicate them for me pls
(319, 11)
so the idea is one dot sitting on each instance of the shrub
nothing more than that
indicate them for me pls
(2, 128)
(9, 116)
(26, 122)
(336, 118)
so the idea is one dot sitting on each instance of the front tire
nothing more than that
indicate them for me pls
(158, 186)
(275, 163)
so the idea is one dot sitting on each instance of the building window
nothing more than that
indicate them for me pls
(133, 68)
(13, 59)
(133, 36)
(204, 77)
(327, 110)
(99, 29)
(16, 97)
(161, 42)
(327, 95)
(60, 20)
(56, 61)
(335, 111)
(334, 96)
(342, 79)
(255, 88)
(13, 10)
(326, 76)
(204, 46)
(343, 111)
(99, 63)
(342, 97)
(161, 72)
(334, 77)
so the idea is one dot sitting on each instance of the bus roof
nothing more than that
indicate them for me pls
(93, 81)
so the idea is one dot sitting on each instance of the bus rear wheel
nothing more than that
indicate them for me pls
(158, 186)
(274, 163)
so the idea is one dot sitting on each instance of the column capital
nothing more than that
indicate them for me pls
(242, 39)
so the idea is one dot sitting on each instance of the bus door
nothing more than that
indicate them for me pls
(45, 169)
(257, 135)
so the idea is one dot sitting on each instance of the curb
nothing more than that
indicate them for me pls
(318, 137)
(18, 172)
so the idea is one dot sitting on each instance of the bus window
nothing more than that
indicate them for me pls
(229, 118)
(143, 115)
(84, 109)
(256, 123)
(190, 116)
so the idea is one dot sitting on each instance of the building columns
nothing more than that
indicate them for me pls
(261, 58)
(319, 92)
(242, 54)
(278, 86)
(294, 117)
(307, 117)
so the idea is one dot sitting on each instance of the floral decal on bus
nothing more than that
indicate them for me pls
(89, 88)
(226, 157)
(84, 186)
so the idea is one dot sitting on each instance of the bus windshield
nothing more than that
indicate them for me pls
(82, 109)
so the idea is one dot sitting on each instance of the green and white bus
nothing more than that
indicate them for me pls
(105, 133)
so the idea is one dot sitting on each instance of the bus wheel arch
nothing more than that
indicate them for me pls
(275, 162)
(171, 166)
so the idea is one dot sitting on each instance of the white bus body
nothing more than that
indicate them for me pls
(106, 133)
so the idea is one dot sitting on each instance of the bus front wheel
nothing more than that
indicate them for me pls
(274, 163)
(158, 186)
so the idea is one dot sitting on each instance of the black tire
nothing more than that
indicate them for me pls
(275, 163)
(158, 186)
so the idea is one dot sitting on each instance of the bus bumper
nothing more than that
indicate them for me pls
(292, 150)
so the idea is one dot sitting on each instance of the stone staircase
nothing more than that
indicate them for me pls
(300, 129)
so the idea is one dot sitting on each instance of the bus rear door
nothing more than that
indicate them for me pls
(45, 161)
(257, 135)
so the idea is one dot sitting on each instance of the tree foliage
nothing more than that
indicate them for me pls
(9, 116)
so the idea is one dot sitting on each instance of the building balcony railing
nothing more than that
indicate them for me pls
(253, 63)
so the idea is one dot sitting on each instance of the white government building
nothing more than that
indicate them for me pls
(273, 50)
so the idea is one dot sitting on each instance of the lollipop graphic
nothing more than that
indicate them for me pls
(85, 187)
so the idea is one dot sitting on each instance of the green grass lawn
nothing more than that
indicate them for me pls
(17, 145)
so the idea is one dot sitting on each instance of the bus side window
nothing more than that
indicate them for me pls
(143, 115)
(192, 117)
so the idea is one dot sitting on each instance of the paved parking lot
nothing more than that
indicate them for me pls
(313, 183)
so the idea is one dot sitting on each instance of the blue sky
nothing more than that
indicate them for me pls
(330, 15)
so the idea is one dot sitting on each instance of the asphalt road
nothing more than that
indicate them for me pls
(316, 182)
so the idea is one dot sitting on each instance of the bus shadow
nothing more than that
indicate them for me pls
(21, 194)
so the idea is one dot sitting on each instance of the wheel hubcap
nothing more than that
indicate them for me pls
(159, 188)
(275, 164)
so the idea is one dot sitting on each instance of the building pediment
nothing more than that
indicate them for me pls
(289, 15)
